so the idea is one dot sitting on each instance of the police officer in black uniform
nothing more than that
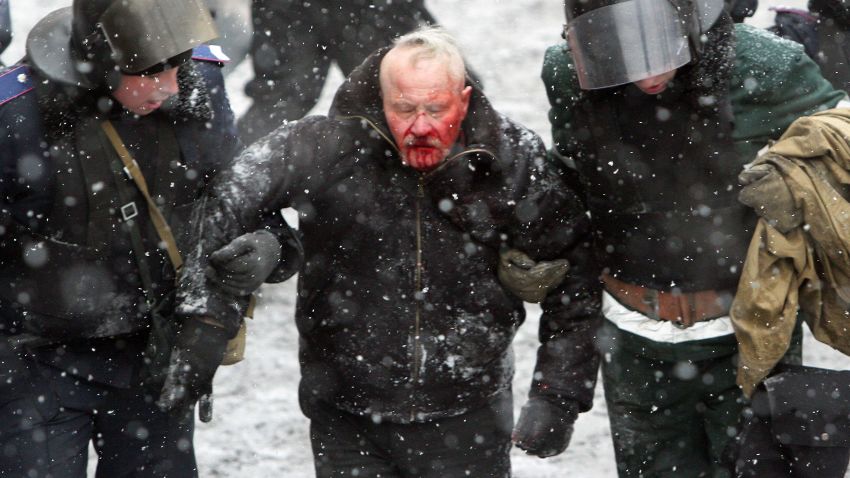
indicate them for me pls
(295, 43)
(117, 111)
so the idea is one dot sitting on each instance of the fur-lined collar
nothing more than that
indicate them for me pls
(62, 106)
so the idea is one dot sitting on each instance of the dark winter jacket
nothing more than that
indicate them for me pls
(68, 269)
(399, 308)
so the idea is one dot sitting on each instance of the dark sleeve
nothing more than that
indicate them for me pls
(774, 83)
(26, 174)
(224, 146)
(286, 168)
(563, 92)
(567, 361)
(291, 250)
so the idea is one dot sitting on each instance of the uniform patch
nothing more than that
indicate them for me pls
(15, 82)
(212, 53)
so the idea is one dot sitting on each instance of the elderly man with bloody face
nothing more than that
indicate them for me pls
(408, 190)
(424, 104)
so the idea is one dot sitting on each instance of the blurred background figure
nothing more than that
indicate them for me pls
(823, 33)
(233, 21)
(295, 42)
(5, 26)
(740, 10)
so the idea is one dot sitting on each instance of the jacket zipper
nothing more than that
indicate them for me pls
(418, 299)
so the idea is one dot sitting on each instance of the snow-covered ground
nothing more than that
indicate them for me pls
(259, 430)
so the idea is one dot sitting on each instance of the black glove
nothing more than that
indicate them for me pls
(196, 355)
(242, 266)
(543, 429)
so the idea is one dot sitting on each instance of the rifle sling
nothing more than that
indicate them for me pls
(163, 230)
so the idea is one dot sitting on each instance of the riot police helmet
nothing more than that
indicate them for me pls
(82, 45)
(614, 42)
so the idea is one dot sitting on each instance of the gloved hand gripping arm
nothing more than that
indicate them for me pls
(241, 267)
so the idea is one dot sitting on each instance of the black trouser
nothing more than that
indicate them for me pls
(670, 417)
(45, 431)
(477, 444)
(295, 42)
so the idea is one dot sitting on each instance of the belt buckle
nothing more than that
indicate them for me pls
(129, 211)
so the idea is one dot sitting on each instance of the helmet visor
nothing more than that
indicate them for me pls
(145, 33)
(627, 42)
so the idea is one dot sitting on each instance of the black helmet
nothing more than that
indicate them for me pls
(83, 44)
(614, 42)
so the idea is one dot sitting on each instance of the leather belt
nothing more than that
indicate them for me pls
(683, 308)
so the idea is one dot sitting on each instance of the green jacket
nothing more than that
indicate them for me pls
(773, 83)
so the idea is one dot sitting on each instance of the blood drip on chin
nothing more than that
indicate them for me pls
(422, 153)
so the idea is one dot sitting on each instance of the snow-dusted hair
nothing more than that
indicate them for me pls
(431, 42)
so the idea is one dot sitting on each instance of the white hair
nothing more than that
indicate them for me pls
(431, 42)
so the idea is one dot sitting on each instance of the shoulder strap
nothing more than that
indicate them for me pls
(127, 195)
(15, 82)
(132, 169)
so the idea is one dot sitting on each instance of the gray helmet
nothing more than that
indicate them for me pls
(83, 44)
(614, 42)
